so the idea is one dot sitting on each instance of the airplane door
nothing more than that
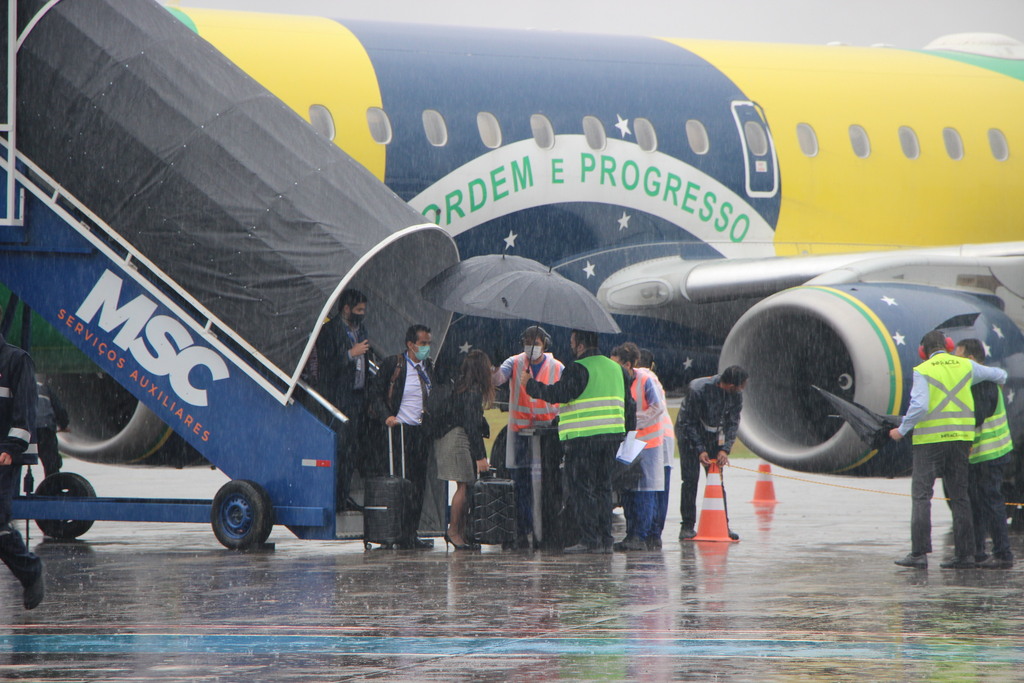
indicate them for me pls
(759, 160)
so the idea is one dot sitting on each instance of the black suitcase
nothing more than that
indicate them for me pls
(492, 510)
(384, 501)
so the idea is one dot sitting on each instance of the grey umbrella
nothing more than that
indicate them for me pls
(449, 288)
(545, 297)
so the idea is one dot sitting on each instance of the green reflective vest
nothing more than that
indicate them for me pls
(993, 439)
(601, 408)
(950, 415)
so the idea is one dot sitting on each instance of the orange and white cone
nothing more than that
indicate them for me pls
(764, 489)
(713, 526)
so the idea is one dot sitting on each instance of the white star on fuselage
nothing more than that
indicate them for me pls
(1009, 396)
(899, 339)
(589, 270)
(622, 125)
(624, 221)
(465, 347)
(688, 363)
(999, 332)
(510, 241)
(889, 300)
(988, 349)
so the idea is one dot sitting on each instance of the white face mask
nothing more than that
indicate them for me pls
(533, 353)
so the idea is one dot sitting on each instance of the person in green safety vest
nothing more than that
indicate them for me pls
(596, 410)
(941, 413)
(990, 454)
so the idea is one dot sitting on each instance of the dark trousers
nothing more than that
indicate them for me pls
(49, 455)
(417, 454)
(640, 509)
(689, 469)
(988, 507)
(947, 460)
(25, 566)
(349, 443)
(588, 488)
(661, 505)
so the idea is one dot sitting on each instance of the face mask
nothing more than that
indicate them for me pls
(355, 319)
(422, 352)
(533, 353)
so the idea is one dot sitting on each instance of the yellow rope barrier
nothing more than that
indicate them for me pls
(842, 486)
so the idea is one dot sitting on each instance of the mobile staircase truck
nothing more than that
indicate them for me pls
(190, 234)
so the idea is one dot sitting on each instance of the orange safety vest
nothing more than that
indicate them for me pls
(653, 433)
(667, 428)
(524, 411)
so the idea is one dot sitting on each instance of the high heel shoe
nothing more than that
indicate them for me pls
(458, 546)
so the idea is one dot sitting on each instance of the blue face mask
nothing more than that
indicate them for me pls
(422, 352)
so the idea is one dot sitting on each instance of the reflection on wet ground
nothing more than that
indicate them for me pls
(809, 592)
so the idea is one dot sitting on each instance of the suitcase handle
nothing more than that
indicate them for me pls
(391, 448)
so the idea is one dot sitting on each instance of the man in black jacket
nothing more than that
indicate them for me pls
(592, 423)
(340, 372)
(17, 420)
(399, 398)
(706, 428)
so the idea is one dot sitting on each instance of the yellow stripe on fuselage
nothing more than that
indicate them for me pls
(837, 202)
(304, 61)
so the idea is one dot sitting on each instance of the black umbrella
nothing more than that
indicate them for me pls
(449, 288)
(872, 428)
(545, 297)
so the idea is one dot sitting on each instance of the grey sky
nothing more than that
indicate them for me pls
(903, 23)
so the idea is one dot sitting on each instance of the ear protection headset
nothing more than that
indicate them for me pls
(535, 331)
(950, 345)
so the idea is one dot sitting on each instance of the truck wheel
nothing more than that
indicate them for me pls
(73, 486)
(242, 515)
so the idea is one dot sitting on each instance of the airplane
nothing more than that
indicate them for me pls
(808, 212)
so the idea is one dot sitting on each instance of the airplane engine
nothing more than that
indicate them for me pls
(859, 342)
(110, 426)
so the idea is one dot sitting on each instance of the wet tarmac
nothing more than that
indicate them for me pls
(809, 593)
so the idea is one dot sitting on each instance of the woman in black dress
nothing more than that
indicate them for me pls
(460, 450)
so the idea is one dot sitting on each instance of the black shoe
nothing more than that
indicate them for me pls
(654, 543)
(629, 543)
(733, 535)
(996, 563)
(458, 546)
(915, 561)
(33, 594)
(686, 533)
(959, 563)
(416, 544)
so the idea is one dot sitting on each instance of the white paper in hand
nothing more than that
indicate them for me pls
(630, 448)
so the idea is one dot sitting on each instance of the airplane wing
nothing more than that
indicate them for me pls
(671, 282)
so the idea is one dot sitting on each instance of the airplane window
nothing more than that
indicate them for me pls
(954, 144)
(757, 139)
(646, 137)
(593, 131)
(435, 128)
(697, 136)
(997, 142)
(380, 125)
(807, 138)
(543, 132)
(908, 142)
(860, 142)
(490, 129)
(321, 120)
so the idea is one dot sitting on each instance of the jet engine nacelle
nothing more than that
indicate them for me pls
(859, 342)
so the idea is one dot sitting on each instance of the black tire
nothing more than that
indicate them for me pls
(65, 484)
(242, 515)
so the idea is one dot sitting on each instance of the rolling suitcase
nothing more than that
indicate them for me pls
(492, 510)
(384, 501)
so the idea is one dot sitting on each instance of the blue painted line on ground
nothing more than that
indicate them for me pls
(506, 647)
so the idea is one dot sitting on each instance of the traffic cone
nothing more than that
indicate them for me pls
(764, 489)
(713, 526)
